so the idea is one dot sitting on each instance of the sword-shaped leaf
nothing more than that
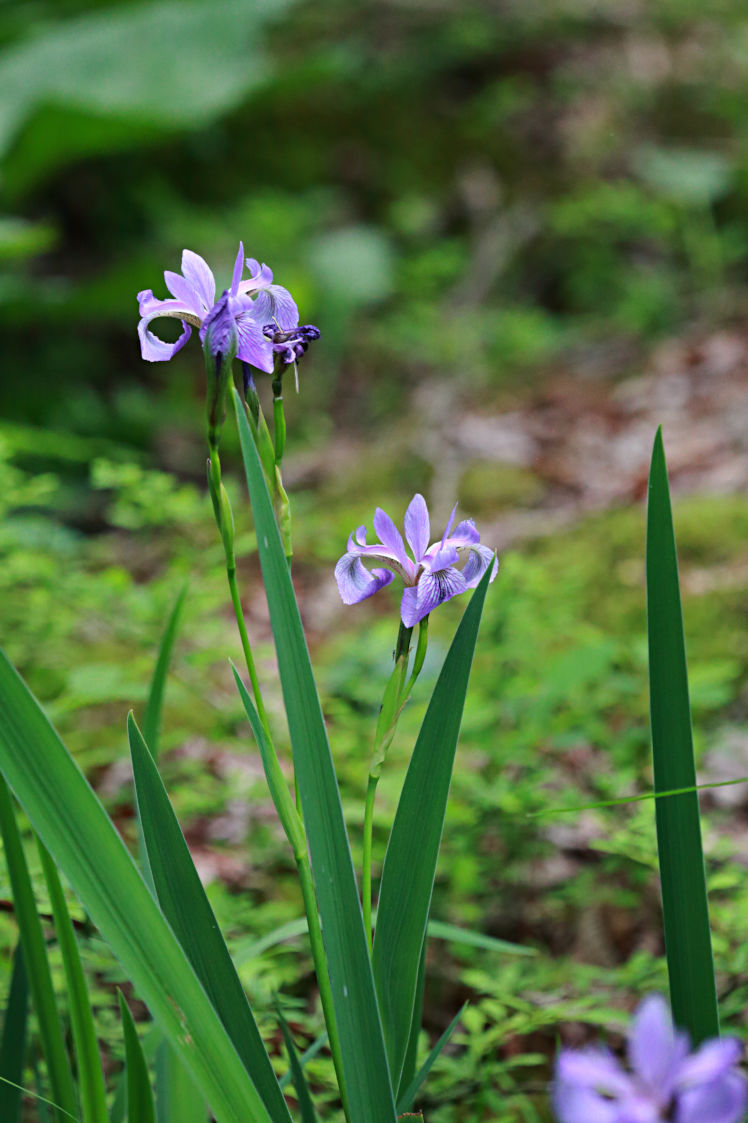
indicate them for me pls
(367, 1078)
(685, 908)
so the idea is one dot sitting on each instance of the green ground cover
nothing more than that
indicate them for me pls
(556, 717)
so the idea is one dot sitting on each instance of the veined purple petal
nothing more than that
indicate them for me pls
(276, 305)
(417, 526)
(722, 1101)
(186, 293)
(432, 590)
(238, 270)
(356, 582)
(253, 348)
(200, 276)
(653, 1050)
(478, 558)
(390, 536)
(709, 1062)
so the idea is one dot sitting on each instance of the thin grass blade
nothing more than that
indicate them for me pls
(73, 825)
(154, 705)
(303, 1095)
(367, 1077)
(185, 905)
(140, 1105)
(405, 1102)
(309, 1054)
(685, 908)
(91, 1085)
(13, 1041)
(410, 860)
(43, 997)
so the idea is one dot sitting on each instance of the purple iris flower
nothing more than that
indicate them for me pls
(434, 574)
(666, 1081)
(251, 304)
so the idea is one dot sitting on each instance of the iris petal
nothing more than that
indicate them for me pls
(199, 274)
(356, 582)
(417, 526)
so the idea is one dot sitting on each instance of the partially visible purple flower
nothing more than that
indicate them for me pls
(665, 1082)
(434, 574)
(251, 304)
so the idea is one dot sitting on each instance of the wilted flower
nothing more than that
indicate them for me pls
(666, 1081)
(291, 345)
(251, 304)
(433, 575)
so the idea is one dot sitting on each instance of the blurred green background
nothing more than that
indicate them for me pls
(522, 227)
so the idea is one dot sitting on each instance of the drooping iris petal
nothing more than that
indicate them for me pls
(417, 526)
(153, 349)
(432, 590)
(478, 558)
(199, 274)
(356, 582)
(276, 305)
(573, 1104)
(722, 1101)
(652, 1046)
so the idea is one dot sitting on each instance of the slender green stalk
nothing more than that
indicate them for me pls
(396, 695)
(225, 523)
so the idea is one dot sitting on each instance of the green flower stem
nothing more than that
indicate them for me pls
(279, 423)
(396, 694)
(225, 522)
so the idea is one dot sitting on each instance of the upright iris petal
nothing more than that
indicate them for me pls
(434, 574)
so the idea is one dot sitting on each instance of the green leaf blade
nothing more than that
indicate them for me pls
(368, 1082)
(186, 907)
(90, 1074)
(684, 897)
(154, 705)
(140, 1105)
(13, 1040)
(413, 848)
(35, 955)
(75, 828)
